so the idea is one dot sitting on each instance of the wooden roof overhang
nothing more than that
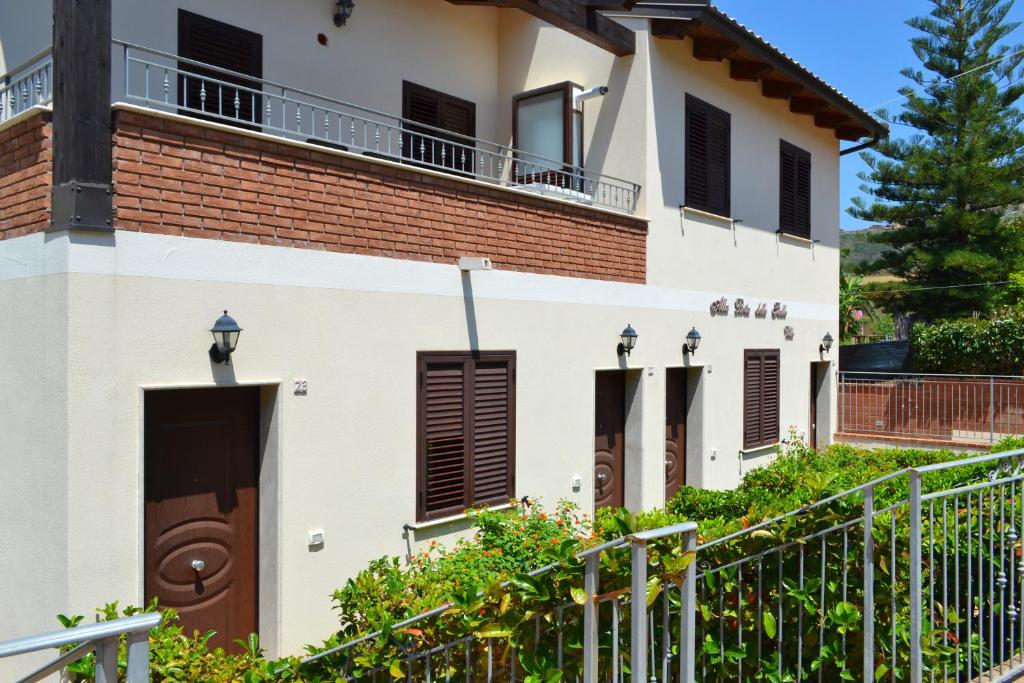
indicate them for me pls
(715, 37)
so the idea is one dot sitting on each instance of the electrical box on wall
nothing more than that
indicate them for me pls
(315, 538)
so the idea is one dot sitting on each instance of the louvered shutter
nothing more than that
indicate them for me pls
(466, 431)
(696, 154)
(794, 190)
(443, 394)
(770, 397)
(760, 397)
(492, 433)
(432, 147)
(751, 399)
(218, 44)
(708, 157)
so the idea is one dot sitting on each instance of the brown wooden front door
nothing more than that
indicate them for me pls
(675, 430)
(609, 447)
(812, 421)
(202, 450)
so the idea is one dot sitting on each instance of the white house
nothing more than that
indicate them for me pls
(433, 220)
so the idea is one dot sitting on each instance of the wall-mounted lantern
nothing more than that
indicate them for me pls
(692, 342)
(826, 343)
(628, 337)
(225, 338)
(342, 11)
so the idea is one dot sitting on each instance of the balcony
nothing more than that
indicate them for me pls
(168, 83)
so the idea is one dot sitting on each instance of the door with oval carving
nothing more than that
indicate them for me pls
(609, 431)
(201, 526)
(675, 430)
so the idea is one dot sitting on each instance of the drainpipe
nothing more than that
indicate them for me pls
(864, 145)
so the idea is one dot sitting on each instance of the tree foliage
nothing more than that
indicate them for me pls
(950, 183)
(981, 347)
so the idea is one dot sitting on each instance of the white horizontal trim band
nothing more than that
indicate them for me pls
(207, 260)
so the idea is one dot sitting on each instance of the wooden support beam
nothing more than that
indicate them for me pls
(713, 49)
(830, 119)
(578, 17)
(851, 133)
(780, 90)
(82, 149)
(742, 70)
(806, 105)
(676, 29)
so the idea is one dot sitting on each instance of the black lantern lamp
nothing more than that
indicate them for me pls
(342, 11)
(692, 342)
(225, 338)
(826, 343)
(628, 337)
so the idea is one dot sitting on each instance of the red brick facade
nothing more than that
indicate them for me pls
(26, 164)
(179, 178)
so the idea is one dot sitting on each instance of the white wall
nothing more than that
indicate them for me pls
(138, 315)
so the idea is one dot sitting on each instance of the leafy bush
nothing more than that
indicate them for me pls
(177, 656)
(992, 347)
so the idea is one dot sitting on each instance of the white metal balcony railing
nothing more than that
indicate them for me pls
(167, 82)
(27, 86)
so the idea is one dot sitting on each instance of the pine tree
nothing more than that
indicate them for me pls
(950, 183)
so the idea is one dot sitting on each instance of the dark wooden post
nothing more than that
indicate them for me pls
(82, 167)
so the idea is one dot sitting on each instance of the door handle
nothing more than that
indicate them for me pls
(602, 477)
(198, 565)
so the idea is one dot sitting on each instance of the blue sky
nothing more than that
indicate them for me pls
(859, 47)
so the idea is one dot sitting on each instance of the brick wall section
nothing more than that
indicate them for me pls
(178, 178)
(26, 161)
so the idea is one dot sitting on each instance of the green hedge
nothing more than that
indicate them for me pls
(983, 347)
(509, 543)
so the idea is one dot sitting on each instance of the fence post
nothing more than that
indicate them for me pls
(137, 669)
(638, 609)
(914, 566)
(688, 612)
(591, 585)
(841, 393)
(869, 583)
(106, 660)
(992, 409)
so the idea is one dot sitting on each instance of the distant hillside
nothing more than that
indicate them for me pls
(861, 250)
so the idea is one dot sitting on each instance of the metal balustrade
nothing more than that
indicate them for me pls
(168, 82)
(913, 576)
(969, 409)
(102, 638)
(26, 86)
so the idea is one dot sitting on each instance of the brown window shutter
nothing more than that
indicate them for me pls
(708, 157)
(794, 190)
(437, 148)
(442, 462)
(222, 45)
(493, 401)
(751, 399)
(696, 153)
(465, 431)
(770, 397)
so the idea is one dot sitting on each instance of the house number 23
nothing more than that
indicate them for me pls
(300, 387)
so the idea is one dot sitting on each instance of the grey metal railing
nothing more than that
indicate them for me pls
(168, 82)
(913, 576)
(27, 85)
(103, 638)
(968, 409)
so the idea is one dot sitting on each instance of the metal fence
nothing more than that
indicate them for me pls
(26, 86)
(103, 638)
(914, 576)
(968, 409)
(168, 82)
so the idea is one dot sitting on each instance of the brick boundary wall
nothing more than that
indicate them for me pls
(178, 178)
(26, 172)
